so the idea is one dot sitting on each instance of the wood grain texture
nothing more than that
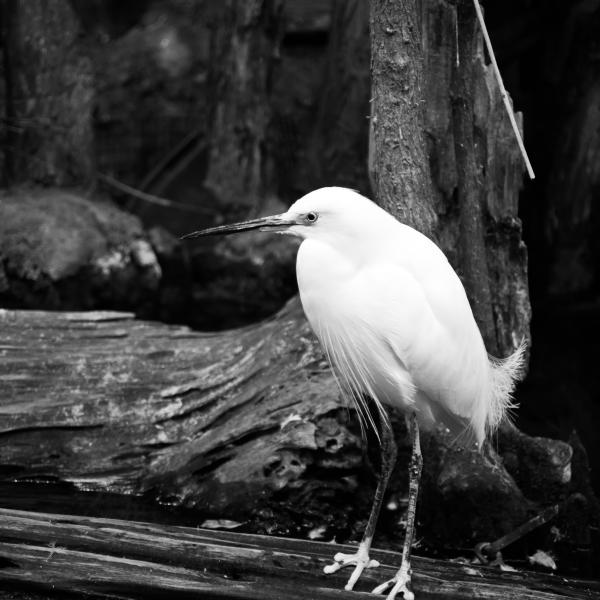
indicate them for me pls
(245, 424)
(124, 559)
(217, 422)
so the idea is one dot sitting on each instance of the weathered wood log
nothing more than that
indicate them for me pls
(245, 425)
(219, 422)
(125, 559)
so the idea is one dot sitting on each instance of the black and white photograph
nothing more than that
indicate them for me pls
(299, 299)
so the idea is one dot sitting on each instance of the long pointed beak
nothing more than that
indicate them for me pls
(273, 223)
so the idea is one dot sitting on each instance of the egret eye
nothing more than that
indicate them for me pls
(311, 217)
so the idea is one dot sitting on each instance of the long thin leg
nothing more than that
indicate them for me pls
(401, 579)
(361, 558)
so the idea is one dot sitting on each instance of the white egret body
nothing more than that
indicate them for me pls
(393, 315)
(395, 322)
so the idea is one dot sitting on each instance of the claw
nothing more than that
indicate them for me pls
(360, 559)
(399, 584)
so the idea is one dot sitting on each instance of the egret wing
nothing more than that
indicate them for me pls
(428, 324)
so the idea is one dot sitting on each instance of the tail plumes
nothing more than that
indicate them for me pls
(504, 375)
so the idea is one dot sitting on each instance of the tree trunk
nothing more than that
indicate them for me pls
(48, 85)
(472, 253)
(399, 162)
(245, 44)
(338, 142)
(443, 157)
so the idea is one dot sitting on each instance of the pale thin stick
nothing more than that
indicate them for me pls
(509, 110)
(123, 187)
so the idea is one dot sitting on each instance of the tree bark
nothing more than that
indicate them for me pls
(245, 44)
(399, 162)
(472, 253)
(48, 102)
(443, 157)
(338, 142)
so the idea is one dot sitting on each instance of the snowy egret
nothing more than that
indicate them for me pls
(396, 325)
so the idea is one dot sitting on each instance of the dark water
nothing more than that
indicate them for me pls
(64, 498)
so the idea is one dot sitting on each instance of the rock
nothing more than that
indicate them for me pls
(460, 482)
(540, 466)
(61, 250)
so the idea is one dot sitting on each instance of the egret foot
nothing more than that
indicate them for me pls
(360, 559)
(399, 584)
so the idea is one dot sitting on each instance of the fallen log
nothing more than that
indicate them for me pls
(245, 425)
(215, 421)
(112, 558)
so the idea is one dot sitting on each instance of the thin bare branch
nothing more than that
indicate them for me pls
(505, 98)
(127, 189)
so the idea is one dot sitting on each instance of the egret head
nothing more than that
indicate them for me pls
(322, 213)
